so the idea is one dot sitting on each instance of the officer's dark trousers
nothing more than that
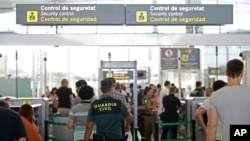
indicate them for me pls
(165, 129)
(165, 132)
(140, 125)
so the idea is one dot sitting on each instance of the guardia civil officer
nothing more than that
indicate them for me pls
(106, 114)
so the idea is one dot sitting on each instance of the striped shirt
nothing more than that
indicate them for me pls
(119, 96)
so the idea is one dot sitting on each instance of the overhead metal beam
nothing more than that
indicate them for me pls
(124, 39)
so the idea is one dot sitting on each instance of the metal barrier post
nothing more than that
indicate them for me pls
(156, 135)
(176, 124)
(188, 116)
(193, 130)
(46, 137)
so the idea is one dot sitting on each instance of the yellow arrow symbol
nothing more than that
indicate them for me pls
(184, 58)
(189, 51)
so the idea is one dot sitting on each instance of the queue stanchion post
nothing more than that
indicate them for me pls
(193, 130)
(156, 135)
(46, 130)
(179, 123)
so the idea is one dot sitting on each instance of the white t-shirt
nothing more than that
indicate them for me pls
(124, 93)
(205, 105)
(164, 92)
(232, 105)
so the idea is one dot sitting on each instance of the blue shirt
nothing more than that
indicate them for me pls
(11, 125)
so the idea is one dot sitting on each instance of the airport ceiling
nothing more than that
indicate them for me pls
(10, 4)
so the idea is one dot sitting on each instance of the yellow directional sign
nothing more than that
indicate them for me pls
(189, 51)
(216, 71)
(27, 100)
(141, 16)
(109, 75)
(32, 16)
(184, 58)
(190, 58)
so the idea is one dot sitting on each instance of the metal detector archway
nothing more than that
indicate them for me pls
(246, 76)
(123, 65)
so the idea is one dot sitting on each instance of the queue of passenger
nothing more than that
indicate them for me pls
(152, 108)
(112, 114)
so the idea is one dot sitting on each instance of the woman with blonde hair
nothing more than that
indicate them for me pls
(27, 114)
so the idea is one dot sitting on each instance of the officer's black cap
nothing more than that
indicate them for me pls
(106, 83)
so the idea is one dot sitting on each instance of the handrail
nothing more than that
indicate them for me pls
(57, 123)
(139, 136)
(174, 124)
(55, 139)
(179, 139)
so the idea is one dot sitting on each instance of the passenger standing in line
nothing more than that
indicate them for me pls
(229, 104)
(204, 89)
(173, 85)
(140, 89)
(158, 89)
(119, 96)
(12, 127)
(210, 90)
(4, 104)
(28, 118)
(140, 109)
(54, 99)
(78, 84)
(148, 113)
(163, 92)
(158, 97)
(171, 105)
(106, 114)
(65, 97)
(78, 113)
(201, 113)
(208, 93)
(197, 92)
(155, 104)
(123, 91)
